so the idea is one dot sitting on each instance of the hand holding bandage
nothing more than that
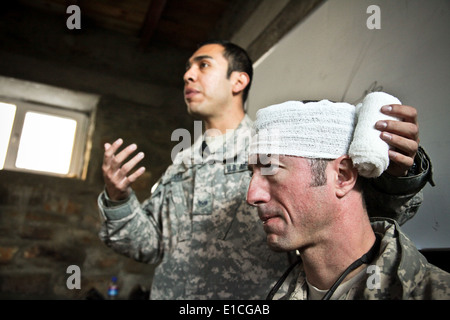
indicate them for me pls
(369, 153)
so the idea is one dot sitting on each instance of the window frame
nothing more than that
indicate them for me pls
(31, 97)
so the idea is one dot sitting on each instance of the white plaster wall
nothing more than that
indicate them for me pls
(333, 55)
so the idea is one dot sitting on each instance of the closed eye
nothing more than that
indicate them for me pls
(269, 169)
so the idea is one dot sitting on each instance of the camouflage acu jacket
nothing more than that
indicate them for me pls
(401, 272)
(208, 242)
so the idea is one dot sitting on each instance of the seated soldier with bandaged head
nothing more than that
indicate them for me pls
(307, 190)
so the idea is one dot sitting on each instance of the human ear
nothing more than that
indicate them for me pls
(346, 175)
(240, 81)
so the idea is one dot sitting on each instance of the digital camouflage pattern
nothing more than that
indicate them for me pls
(197, 225)
(207, 241)
(404, 273)
(402, 194)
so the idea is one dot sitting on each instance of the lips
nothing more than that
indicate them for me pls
(265, 218)
(189, 93)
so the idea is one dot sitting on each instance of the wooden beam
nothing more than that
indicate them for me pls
(154, 13)
(292, 14)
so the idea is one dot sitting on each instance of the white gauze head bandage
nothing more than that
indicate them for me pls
(320, 129)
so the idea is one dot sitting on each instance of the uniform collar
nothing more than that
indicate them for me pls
(235, 148)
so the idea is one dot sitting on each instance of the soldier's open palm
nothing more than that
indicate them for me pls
(117, 172)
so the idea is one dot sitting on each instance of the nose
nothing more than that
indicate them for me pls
(258, 191)
(189, 75)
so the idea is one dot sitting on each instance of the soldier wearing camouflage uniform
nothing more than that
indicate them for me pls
(196, 226)
(402, 273)
(343, 253)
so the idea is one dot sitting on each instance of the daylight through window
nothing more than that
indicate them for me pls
(49, 135)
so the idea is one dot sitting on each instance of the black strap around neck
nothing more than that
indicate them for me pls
(365, 259)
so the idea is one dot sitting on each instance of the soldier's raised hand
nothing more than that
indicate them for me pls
(117, 173)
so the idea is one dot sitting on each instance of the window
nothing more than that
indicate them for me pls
(38, 136)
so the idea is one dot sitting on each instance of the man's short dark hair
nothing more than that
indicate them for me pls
(238, 60)
(319, 178)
